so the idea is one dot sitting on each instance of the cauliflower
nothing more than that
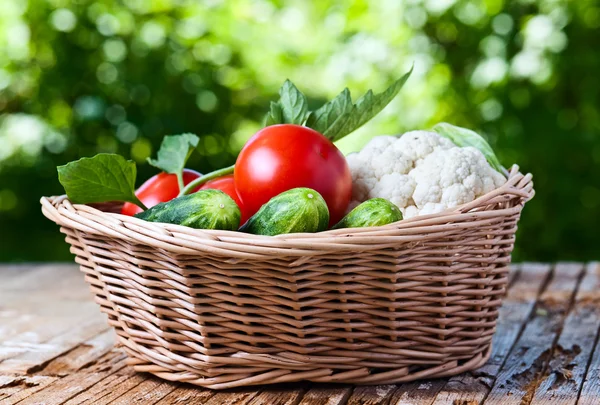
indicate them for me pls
(421, 172)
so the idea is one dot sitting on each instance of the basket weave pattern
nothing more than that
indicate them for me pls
(220, 309)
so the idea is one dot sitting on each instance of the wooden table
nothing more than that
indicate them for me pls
(55, 348)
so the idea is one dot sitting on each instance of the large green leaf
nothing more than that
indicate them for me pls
(104, 177)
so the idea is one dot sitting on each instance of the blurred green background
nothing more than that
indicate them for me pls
(81, 77)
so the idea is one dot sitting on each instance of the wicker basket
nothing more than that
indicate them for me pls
(220, 309)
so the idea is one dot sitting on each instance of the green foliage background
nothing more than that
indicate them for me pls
(81, 77)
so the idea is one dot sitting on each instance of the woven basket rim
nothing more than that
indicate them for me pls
(87, 218)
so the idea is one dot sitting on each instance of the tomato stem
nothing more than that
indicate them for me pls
(203, 179)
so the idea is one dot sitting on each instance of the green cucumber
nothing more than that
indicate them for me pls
(373, 212)
(293, 211)
(205, 209)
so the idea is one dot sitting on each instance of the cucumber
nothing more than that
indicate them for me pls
(204, 209)
(293, 211)
(373, 212)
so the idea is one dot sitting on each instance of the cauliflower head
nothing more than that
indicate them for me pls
(421, 172)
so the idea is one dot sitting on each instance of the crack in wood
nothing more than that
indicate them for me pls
(39, 368)
(20, 380)
(484, 378)
(528, 380)
(562, 364)
(465, 402)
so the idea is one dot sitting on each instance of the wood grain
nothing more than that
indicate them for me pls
(418, 392)
(187, 395)
(372, 395)
(567, 368)
(327, 395)
(287, 395)
(527, 361)
(82, 355)
(68, 387)
(15, 388)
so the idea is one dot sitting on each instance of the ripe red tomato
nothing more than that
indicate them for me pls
(281, 157)
(162, 187)
(226, 185)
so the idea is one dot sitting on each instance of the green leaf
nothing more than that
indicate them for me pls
(275, 115)
(370, 105)
(323, 118)
(340, 125)
(294, 106)
(366, 107)
(465, 137)
(104, 177)
(174, 152)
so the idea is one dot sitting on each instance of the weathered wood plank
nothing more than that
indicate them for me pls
(66, 388)
(81, 356)
(21, 386)
(51, 312)
(28, 274)
(25, 297)
(45, 329)
(327, 395)
(591, 387)
(56, 277)
(232, 397)
(372, 395)
(36, 355)
(284, 395)
(147, 392)
(187, 395)
(590, 390)
(109, 388)
(566, 371)
(520, 376)
(417, 393)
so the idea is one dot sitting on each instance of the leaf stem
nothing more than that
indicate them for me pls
(140, 204)
(180, 181)
(203, 179)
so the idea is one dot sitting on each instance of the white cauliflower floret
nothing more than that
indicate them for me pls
(395, 187)
(452, 177)
(378, 144)
(409, 212)
(390, 162)
(417, 145)
(378, 168)
(421, 172)
(432, 208)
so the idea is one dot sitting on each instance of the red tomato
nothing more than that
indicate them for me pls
(160, 188)
(282, 157)
(226, 185)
